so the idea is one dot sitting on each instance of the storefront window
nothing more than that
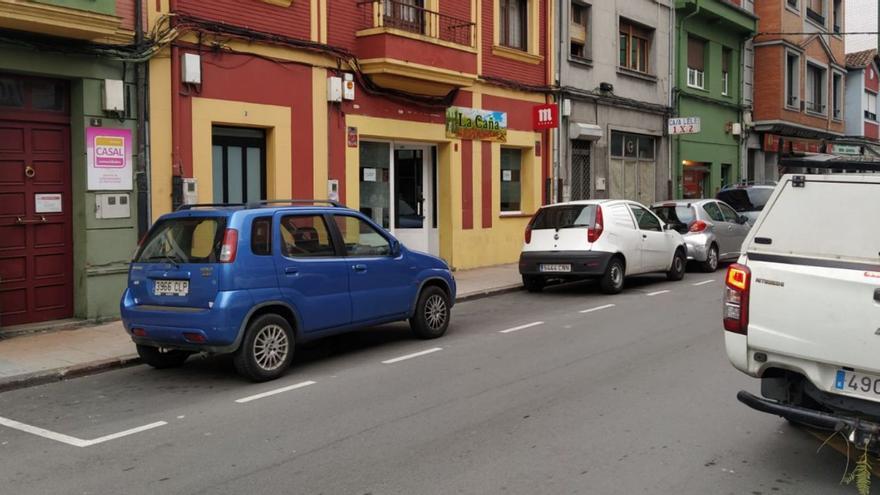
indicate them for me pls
(375, 173)
(511, 183)
(11, 92)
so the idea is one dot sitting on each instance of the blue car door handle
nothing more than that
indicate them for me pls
(359, 268)
(291, 270)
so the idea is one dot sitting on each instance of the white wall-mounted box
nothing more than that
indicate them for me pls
(114, 95)
(191, 68)
(112, 205)
(348, 87)
(334, 89)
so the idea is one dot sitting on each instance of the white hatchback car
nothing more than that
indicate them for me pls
(604, 239)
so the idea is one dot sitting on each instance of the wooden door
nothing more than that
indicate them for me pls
(36, 241)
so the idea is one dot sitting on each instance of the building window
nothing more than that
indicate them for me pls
(792, 4)
(837, 17)
(696, 66)
(792, 80)
(408, 15)
(816, 11)
(726, 55)
(870, 106)
(816, 83)
(579, 30)
(514, 18)
(635, 46)
(511, 180)
(837, 96)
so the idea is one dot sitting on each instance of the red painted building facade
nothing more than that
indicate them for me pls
(270, 99)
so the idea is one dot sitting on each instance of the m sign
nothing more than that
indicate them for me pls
(545, 117)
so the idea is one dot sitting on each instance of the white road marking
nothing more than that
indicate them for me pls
(410, 356)
(522, 327)
(277, 391)
(657, 293)
(598, 308)
(69, 440)
(704, 282)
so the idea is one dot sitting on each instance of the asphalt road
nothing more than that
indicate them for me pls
(637, 397)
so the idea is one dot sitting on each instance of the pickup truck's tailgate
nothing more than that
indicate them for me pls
(820, 313)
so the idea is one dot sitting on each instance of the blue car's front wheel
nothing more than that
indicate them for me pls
(431, 318)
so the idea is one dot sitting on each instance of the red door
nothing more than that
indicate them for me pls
(36, 240)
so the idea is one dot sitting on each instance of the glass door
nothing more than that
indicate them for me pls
(415, 218)
(239, 164)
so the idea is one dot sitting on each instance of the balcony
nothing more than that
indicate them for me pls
(98, 23)
(405, 46)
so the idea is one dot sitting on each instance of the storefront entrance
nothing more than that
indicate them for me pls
(36, 240)
(695, 178)
(407, 173)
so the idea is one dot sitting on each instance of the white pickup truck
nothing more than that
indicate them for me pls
(802, 305)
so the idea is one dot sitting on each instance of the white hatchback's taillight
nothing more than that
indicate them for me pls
(594, 232)
(736, 299)
(229, 248)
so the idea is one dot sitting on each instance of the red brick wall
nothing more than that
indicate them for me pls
(872, 80)
(872, 130)
(293, 21)
(506, 68)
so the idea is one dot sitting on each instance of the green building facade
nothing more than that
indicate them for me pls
(65, 244)
(710, 40)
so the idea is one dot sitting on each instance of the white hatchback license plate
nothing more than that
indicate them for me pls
(858, 384)
(171, 287)
(555, 268)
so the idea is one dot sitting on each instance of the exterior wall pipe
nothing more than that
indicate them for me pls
(142, 180)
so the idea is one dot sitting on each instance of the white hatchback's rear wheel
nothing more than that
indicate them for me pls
(612, 280)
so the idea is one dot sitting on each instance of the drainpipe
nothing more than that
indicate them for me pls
(677, 96)
(142, 166)
(556, 188)
(671, 100)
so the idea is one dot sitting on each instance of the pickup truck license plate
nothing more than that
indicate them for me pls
(171, 287)
(858, 384)
(555, 268)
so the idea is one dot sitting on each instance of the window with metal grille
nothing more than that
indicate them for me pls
(580, 170)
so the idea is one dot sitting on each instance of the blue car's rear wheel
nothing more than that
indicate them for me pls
(431, 318)
(267, 349)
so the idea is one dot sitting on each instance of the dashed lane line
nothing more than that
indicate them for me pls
(74, 441)
(657, 293)
(413, 355)
(522, 327)
(598, 308)
(245, 400)
(704, 282)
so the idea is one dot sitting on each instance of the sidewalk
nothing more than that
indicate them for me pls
(45, 357)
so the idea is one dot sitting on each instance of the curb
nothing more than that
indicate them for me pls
(58, 374)
(495, 291)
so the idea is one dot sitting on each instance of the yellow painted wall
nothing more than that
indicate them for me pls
(160, 134)
(463, 249)
(207, 112)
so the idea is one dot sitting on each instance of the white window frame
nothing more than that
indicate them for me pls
(796, 8)
(866, 104)
(725, 83)
(837, 113)
(696, 78)
(796, 105)
(823, 84)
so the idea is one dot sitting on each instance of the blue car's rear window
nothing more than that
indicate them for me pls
(183, 240)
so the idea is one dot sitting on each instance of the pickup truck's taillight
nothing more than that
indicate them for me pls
(736, 299)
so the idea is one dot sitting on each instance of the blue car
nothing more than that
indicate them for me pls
(255, 280)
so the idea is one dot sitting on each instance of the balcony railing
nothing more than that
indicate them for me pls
(408, 15)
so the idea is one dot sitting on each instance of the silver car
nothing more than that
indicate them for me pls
(712, 230)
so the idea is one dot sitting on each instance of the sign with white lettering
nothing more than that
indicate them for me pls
(108, 158)
(684, 125)
(846, 149)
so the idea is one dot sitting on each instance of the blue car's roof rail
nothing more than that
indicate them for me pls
(267, 202)
(210, 205)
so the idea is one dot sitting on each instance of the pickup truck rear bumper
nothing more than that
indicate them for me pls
(862, 433)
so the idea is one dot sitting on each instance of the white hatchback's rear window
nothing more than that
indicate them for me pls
(826, 219)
